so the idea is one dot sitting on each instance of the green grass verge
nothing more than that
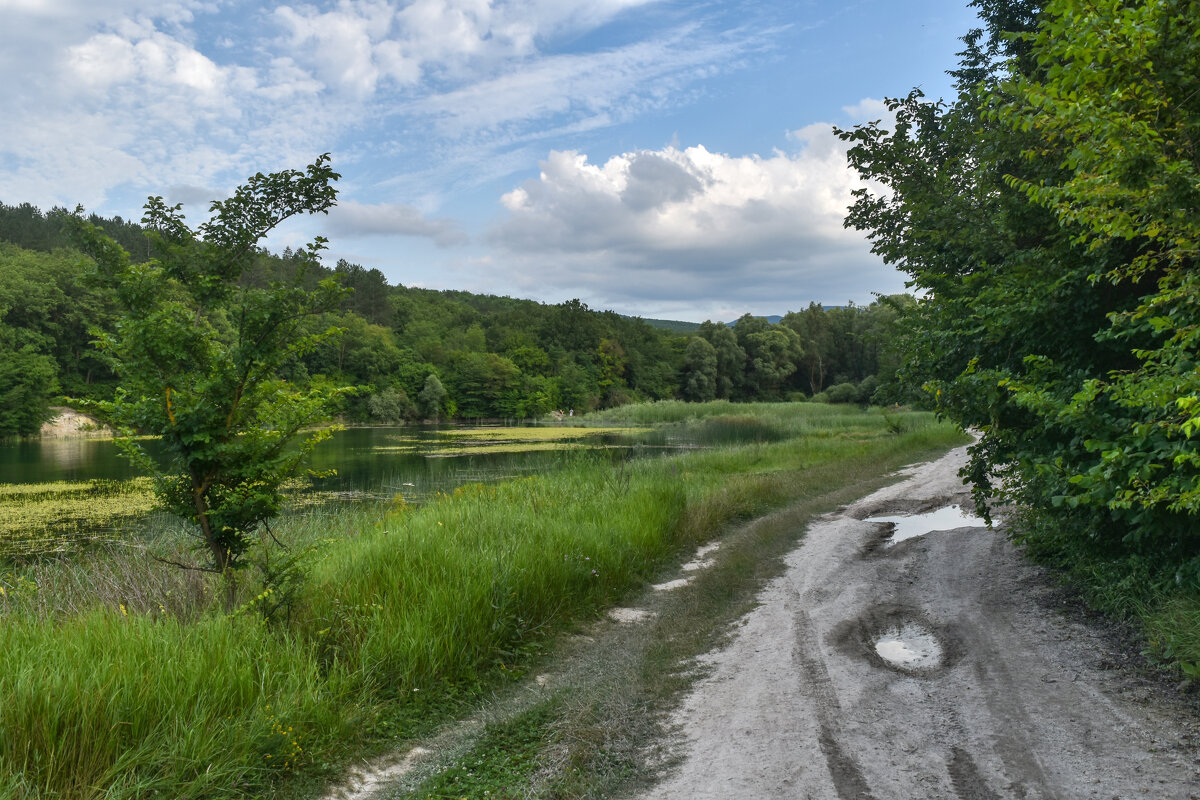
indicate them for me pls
(377, 632)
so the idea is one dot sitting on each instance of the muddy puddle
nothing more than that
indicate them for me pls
(910, 526)
(910, 647)
(900, 639)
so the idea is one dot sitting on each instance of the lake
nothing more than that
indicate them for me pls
(55, 493)
(365, 458)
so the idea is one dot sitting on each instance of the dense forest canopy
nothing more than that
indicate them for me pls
(426, 354)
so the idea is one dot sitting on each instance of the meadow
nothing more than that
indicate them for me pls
(124, 677)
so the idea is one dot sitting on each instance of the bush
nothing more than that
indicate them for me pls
(840, 393)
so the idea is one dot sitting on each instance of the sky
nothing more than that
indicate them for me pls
(668, 159)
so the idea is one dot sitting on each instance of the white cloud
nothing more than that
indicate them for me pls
(358, 43)
(121, 97)
(106, 60)
(351, 219)
(869, 108)
(611, 85)
(687, 224)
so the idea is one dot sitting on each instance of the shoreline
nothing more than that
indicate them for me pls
(67, 423)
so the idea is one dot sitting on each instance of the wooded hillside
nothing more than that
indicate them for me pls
(420, 353)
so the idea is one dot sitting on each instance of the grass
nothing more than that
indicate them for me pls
(501, 763)
(370, 628)
(609, 686)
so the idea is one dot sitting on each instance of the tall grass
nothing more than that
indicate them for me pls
(118, 703)
(110, 705)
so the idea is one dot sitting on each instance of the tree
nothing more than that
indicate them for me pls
(197, 352)
(772, 352)
(479, 381)
(699, 371)
(731, 358)
(27, 379)
(432, 397)
(391, 406)
(53, 308)
(1116, 99)
(1049, 216)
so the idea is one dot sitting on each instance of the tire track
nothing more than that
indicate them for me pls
(846, 774)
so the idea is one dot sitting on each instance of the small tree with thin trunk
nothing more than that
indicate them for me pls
(198, 355)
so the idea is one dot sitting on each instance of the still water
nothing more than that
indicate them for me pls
(375, 461)
(58, 495)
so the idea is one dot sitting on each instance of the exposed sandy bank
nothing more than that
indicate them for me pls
(1016, 700)
(69, 424)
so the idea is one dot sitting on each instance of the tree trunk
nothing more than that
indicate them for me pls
(220, 554)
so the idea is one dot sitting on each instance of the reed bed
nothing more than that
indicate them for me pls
(367, 625)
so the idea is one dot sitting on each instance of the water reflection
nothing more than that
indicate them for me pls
(42, 461)
(387, 460)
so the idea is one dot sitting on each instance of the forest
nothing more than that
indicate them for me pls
(414, 354)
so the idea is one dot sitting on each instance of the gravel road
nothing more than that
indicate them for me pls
(935, 667)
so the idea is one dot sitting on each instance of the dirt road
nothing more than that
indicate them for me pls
(936, 667)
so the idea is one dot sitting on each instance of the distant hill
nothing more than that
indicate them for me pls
(679, 326)
(773, 318)
(673, 325)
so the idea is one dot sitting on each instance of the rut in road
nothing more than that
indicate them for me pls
(934, 667)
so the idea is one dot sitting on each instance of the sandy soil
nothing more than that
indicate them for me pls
(68, 424)
(1013, 700)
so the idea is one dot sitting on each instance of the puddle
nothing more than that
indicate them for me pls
(910, 526)
(901, 639)
(910, 647)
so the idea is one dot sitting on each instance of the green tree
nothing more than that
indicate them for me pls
(699, 371)
(731, 358)
(198, 351)
(772, 352)
(27, 380)
(479, 381)
(432, 398)
(1116, 99)
(54, 308)
(390, 405)
(1049, 215)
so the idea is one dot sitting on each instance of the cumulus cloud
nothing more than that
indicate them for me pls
(359, 44)
(679, 224)
(349, 218)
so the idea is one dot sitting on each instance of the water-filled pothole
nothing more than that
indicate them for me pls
(901, 639)
(909, 647)
(910, 526)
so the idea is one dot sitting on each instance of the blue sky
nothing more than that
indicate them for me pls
(656, 157)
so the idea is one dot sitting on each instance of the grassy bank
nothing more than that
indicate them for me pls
(369, 630)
